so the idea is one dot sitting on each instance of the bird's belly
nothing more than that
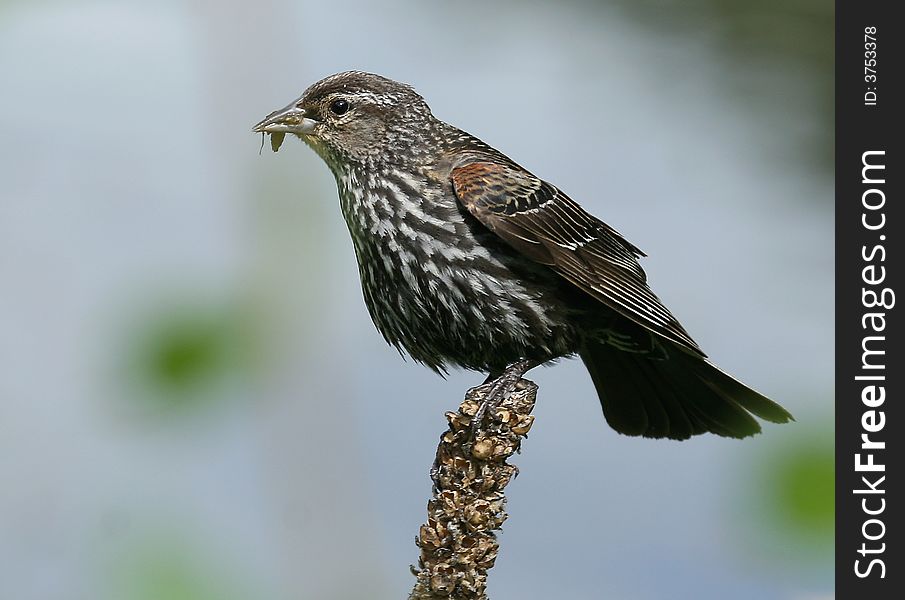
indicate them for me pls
(445, 307)
(444, 290)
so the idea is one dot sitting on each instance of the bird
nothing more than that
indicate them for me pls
(469, 260)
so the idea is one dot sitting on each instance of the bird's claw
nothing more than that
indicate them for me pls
(496, 391)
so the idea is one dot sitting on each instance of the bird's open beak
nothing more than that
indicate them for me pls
(291, 119)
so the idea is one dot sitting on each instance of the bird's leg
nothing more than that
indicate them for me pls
(492, 376)
(498, 388)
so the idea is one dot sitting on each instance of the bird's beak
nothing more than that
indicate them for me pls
(291, 119)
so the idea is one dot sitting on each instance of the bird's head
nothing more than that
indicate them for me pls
(351, 117)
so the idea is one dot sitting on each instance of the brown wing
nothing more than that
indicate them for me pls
(547, 226)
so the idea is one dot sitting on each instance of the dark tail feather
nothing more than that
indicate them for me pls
(676, 397)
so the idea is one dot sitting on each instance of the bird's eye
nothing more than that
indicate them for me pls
(339, 106)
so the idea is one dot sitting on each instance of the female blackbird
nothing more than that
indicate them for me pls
(467, 259)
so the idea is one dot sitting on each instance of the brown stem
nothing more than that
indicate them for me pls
(458, 544)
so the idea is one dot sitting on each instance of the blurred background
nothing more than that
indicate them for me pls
(194, 404)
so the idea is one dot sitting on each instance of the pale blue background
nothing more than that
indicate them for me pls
(132, 189)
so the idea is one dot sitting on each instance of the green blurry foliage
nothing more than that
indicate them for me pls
(789, 502)
(168, 570)
(756, 37)
(184, 354)
(799, 31)
(803, 491)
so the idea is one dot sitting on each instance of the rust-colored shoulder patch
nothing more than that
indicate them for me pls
(498, 188)
(472, 180)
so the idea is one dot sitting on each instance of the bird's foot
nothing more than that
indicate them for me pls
(496, 390)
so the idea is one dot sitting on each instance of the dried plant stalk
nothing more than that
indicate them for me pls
(458, 544)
